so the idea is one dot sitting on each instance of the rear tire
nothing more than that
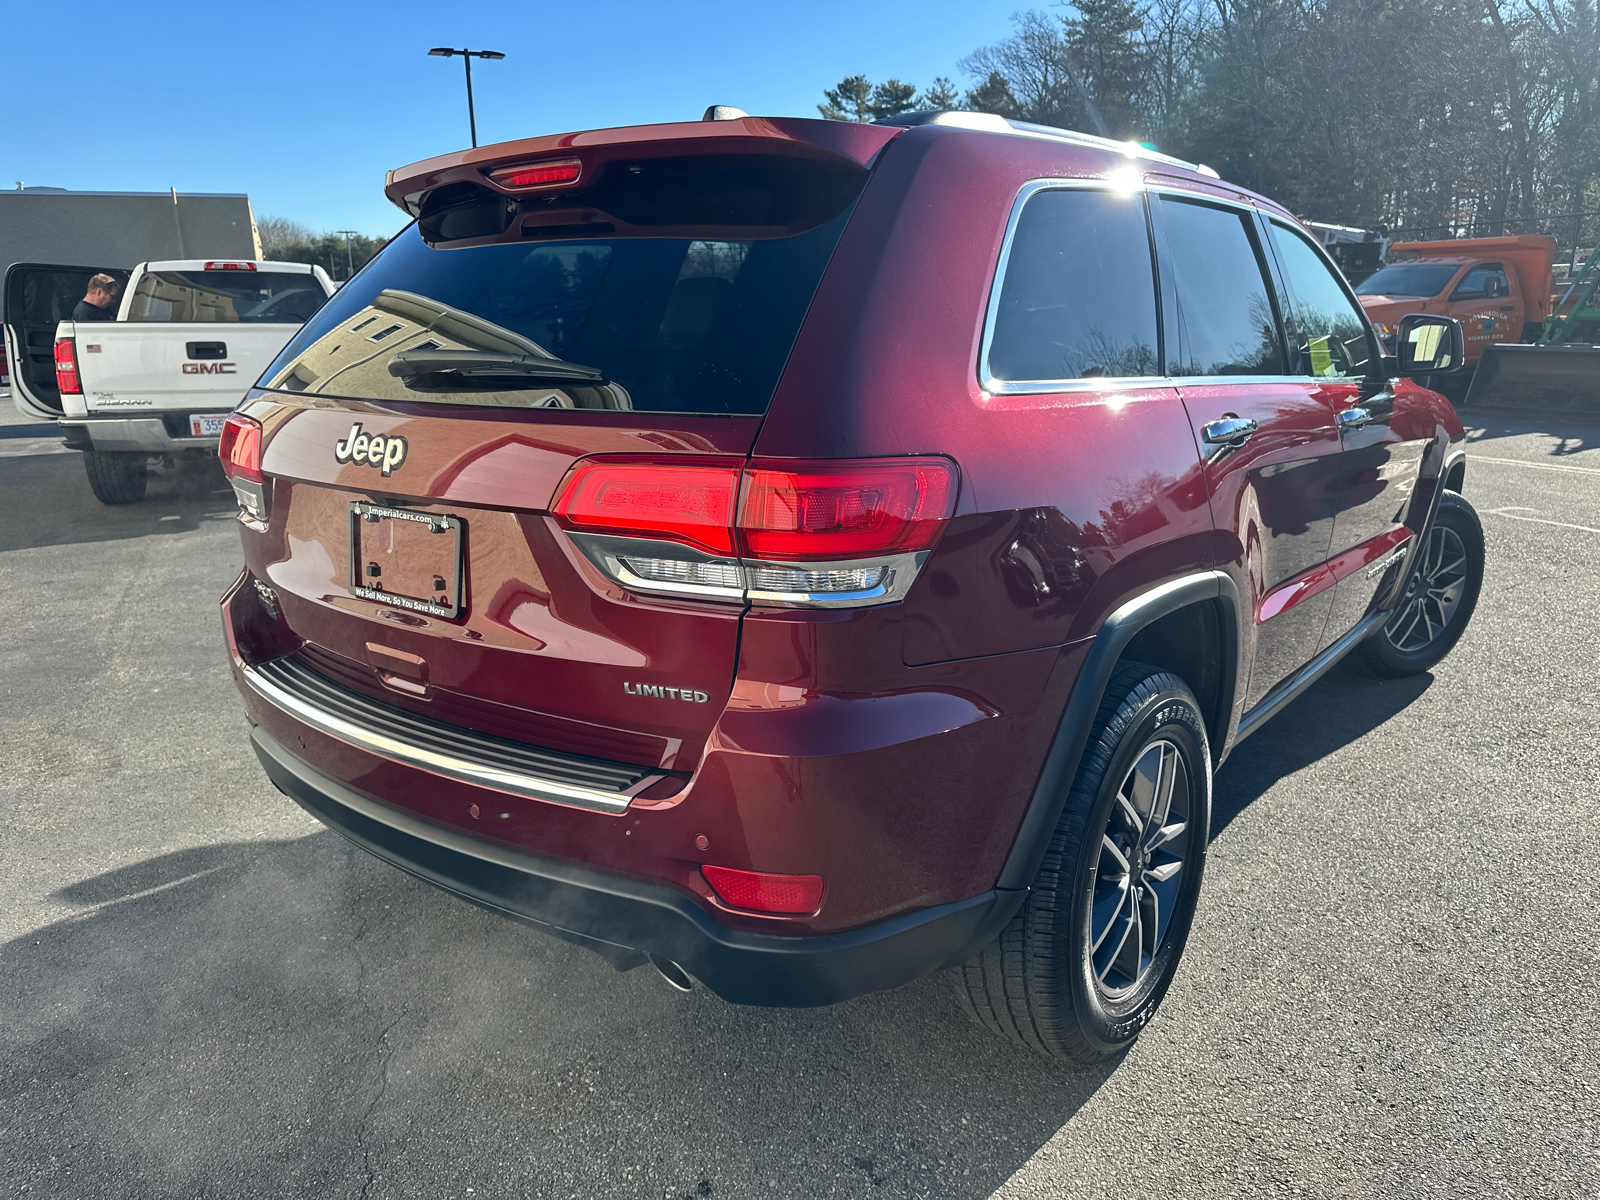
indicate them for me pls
(117, 476)
(1083, 965)
(1432, 614)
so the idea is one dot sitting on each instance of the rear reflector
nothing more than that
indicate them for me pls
(686, 502)
(538, 174)
(757, 891)
(844, 510)
(67, 367)
(230, 266)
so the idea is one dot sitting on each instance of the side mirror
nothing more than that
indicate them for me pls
(1428, 345)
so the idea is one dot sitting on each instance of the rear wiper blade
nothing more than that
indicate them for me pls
(435, 367)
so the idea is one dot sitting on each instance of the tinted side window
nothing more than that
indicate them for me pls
(1328, 332)
(1078, 300)
(1225, 321)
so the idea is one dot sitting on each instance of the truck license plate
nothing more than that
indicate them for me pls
(410, 560)
(202, 426)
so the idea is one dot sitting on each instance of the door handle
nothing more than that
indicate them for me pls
(1507, 307)
(1354, 418)
(1228, 430)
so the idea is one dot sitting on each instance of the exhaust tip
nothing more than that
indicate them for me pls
(672, 973)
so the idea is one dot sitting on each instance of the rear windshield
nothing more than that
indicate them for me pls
(261, 297)
(1408, 279)
(657, 324)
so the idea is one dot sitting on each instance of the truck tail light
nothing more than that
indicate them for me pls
(829, 534)
(240, 452)
(67, 367)
(759, 891)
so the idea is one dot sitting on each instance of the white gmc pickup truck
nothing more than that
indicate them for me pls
(188, 339)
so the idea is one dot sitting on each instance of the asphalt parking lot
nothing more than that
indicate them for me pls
(1390, 990)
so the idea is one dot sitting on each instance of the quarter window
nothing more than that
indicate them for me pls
(1225, 323)
(1328, 333)
(1078, 300)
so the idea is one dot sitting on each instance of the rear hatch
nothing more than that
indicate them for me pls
(419, 427)
(38, 297)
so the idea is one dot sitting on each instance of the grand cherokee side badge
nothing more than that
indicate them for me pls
(371, 450)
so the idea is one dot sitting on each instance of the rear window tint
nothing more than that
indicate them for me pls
(692, 324)
(1226, 324)
(1078, 300)
(253, 297)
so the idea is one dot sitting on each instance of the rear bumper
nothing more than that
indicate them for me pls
(626, 919)
(147, 434)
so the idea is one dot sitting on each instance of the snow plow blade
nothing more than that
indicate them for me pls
(1565, 377)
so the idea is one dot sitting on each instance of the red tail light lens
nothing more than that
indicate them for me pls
(538, 174)
(67, 367)
(844, 510)
(691, 503)
(790, 895)
(240, 449)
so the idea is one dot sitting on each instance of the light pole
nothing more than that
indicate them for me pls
(349, 260)
(466, 58)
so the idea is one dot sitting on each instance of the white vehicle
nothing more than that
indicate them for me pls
(190, 336)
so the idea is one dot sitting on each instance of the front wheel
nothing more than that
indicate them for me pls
(1433, 612)
(1080, 969)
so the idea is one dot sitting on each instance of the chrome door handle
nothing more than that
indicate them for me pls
(1227, 431)
(1354, 418)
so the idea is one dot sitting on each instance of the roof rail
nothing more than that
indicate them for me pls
(991, 123)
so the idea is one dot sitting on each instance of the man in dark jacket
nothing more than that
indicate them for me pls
(100, 302)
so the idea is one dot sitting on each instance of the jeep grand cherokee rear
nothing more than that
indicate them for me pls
(667, 541)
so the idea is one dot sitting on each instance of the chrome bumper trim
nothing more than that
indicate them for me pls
(441, 762)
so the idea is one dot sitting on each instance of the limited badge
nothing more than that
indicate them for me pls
(371, 450)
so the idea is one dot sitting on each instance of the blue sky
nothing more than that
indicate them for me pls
(305, 106)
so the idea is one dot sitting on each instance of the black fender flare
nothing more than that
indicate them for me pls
(1072, 733)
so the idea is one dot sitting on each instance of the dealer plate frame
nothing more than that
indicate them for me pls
(364, 511)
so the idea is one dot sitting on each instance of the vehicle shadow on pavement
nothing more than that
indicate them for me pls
(295, 1018)
(1572, 433)
(47, 502)
(1342, 706)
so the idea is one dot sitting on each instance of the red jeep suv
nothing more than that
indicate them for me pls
(807, 555)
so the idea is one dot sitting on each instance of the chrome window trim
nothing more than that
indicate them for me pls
(1035, 387)
(441, 763)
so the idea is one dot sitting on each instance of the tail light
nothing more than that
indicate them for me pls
(810, 534)
(240, 452)
(758, 891)
(67, 367)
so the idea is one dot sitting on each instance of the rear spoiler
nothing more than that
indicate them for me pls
(827, 142)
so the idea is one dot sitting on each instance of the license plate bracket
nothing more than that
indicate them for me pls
(400, 557)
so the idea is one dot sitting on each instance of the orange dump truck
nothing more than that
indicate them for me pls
(1498, 288)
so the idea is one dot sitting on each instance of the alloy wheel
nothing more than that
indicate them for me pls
(1434, 594)
(1140, 872)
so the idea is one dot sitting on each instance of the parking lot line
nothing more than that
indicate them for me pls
(1511, 511)
(1537, 466)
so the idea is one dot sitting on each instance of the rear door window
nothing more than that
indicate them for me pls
(253, 297)
(1327, 333)
(1225, 322)
(1078, 298)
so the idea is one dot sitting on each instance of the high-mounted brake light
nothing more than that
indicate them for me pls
(759, 891)
(772, 531)
(538, 174)
(690, 502)
(67, 367)
(230, 266)
(240, 452)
